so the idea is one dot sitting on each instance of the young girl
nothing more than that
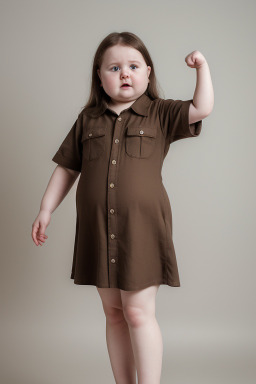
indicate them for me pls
(123, 243)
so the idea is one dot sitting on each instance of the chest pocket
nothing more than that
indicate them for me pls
(94, 141)
(140, 141)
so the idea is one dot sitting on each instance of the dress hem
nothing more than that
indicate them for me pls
(154, 282)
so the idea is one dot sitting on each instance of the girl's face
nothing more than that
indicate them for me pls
(123, 64)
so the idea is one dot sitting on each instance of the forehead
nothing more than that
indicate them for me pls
(121, 53)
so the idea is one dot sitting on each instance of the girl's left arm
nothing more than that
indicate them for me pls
(203, 98)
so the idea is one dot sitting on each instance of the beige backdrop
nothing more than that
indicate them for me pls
(208, 324)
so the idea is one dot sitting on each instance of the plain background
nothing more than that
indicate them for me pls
(53, 331)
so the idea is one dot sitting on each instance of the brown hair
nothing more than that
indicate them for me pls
(98, 98)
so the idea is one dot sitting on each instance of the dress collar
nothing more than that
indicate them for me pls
(140, 106)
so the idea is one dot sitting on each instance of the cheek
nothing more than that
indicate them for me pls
(110, 81)
(140, 79)
(140, 76)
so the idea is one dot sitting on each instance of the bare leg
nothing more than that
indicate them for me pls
(146, 338)
(118, 337)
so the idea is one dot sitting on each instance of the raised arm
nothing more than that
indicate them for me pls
(59, 185)
(203, 99)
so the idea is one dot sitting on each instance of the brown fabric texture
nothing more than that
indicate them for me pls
(124, 219)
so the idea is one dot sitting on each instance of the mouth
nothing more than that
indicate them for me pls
(125, 85)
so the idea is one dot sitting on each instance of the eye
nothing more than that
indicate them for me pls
(132, 65)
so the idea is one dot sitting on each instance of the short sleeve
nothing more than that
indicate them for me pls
(69, 154)
(174, 118)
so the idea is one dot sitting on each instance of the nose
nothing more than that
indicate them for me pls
(124, 73)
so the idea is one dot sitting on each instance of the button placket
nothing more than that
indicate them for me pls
(111, 201)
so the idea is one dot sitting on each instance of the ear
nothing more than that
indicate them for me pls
(149, 70)
(98, 71)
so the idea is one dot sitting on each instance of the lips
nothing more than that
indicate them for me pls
(125, 85)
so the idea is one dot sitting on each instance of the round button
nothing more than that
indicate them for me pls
(112, 236)
(141, 132)
(111, 210)
(90, 134)
(113, 161)
(111, 185)
(113, 261)
(116, 141)
(119, 118)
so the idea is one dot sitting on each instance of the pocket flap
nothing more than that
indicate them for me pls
(141, 131)
(94, 132)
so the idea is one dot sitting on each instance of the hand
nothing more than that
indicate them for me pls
(39, 227)
(195, 59)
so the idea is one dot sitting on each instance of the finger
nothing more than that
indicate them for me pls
(34, 231)
(33, 237)
(34, 234)
(42, 235)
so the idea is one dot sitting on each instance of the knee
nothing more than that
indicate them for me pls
(136, 316)
(113, 315)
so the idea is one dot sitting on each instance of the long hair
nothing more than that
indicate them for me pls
(98, 98)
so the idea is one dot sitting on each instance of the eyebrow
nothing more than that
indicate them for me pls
(130, 61)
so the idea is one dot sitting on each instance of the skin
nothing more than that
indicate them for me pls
(134, 339)
(203, 99)
(59, 185)
(133, 335)
(123, 64)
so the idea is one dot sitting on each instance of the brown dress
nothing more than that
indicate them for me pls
(124, 219)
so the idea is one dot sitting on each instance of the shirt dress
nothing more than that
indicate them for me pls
(123, 214)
